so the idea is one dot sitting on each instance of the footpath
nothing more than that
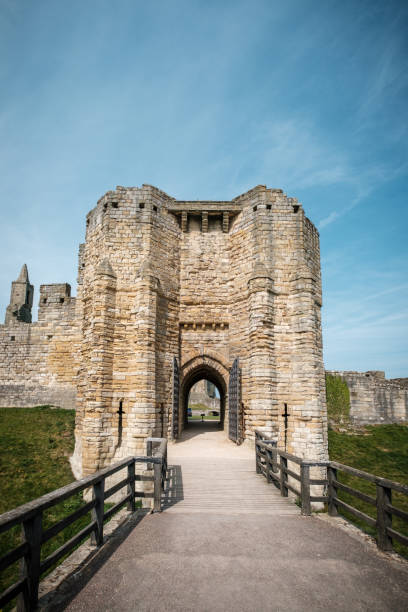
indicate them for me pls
(227, 541)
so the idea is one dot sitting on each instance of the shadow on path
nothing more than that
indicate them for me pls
(198, 428)
(58, 600)
(173, 492)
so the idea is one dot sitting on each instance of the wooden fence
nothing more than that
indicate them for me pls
(273, 464)
(30, 516)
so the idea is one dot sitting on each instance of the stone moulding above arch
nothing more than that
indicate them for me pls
(210, 359)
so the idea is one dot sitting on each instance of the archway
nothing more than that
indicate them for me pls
(203, 368)
(204, 403)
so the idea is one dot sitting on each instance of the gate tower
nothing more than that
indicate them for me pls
(171, 292)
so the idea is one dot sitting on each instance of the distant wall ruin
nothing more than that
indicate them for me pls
(39, 361)
(204, 393)
(375, 399)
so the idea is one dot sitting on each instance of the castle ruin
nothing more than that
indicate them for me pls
(169, 293)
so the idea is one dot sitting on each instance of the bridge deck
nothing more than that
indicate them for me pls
(228, 542)
(208, 473)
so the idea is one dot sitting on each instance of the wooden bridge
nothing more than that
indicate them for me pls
(209, 474)
(226, 539)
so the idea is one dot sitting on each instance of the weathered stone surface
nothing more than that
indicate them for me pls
(39, 361)
(21, 299)
(204, 282)
(375, 399)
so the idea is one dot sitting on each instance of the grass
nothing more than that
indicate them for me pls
(202, 408)
(378, 449)
(197, 417)
(35, 445)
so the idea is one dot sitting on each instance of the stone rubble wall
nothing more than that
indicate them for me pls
(40, 360)
(375, 399)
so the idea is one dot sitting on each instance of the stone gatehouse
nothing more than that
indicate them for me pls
(171, 292)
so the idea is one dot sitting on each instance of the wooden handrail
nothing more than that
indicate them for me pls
(267, 463)
(30, 515)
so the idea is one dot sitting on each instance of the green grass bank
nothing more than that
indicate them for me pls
(35, 446)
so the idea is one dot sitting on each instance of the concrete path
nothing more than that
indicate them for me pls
(241, 555)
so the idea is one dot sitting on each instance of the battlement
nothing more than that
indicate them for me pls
(147, 203)
(56, 302)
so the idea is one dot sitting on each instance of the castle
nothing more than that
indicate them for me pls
(169, 293)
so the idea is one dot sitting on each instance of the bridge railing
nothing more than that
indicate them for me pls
(30, 517)
(272, 462)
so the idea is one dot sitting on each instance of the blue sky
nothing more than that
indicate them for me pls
(206, 99)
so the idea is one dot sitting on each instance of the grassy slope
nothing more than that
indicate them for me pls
(35, 445)
(381, 450)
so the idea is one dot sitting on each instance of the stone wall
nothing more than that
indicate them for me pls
(201, 282)
(374, 399)
(40, 360)
(129, 319)
(204, 282)
(203, 392)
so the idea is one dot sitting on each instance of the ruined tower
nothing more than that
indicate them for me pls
(21, 299)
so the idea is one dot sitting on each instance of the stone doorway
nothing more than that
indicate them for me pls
(203, 403)
(203, 372)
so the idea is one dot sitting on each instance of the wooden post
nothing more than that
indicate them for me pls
(257, 457)
(268, 465)
(157, 487)
(274, 459)
(283, 476)
(305, 489)
(131, 505)
(332, 490)
(97, 512)
(149, 452)
(384, 517)
(30, 567)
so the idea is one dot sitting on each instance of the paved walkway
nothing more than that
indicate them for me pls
(247, 550)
